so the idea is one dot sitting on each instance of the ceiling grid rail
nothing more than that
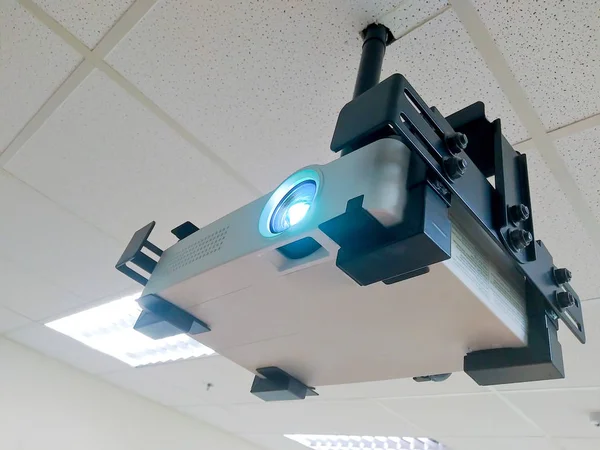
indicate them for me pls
(465, 10)
(94, 59)
(493, 57)
(564, 131)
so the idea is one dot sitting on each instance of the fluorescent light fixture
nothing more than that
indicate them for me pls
(109, 329)
(342, 442)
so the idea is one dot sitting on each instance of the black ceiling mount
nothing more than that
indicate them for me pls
(460, 152)
(376, 37)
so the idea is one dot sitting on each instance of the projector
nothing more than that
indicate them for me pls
(400, 259)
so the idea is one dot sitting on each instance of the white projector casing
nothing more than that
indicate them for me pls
(310, 319)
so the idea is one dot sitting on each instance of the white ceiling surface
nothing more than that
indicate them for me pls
(553, 48)
(88, 20)
(260, 84)
(121, 167)
(33, 62)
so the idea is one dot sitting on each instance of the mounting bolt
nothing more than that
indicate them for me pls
(518, 213)
(564, 299)
(519, 239)
(562, 276)
(456, 142)
(455, 167)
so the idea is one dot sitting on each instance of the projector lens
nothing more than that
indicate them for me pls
(293, 206)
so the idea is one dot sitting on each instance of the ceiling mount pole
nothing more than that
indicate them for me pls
(375, 39)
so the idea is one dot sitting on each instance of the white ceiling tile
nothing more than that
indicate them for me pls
(33, 63)
(471, 415)
(121, 167)
(552, 47)
(557, 226)
(9, 320)
(580, 153)
(441, 62)
(34, 296)
(212, 379)
(61, 347)
(266, 96)
(88, 20)
(579, 444)
(497, 443)
(303, 417)
(560, 413)
(409, 14)
(581, 362)
(219, 416)
(208, 380)
(142, 381)
(45, 239)
(458, 383)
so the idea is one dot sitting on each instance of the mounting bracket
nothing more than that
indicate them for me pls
(134, 258)
(393, 108)
(274, 384)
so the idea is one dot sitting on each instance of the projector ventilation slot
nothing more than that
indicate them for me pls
(206, 246)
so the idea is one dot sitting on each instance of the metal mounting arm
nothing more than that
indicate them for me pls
(376, 37)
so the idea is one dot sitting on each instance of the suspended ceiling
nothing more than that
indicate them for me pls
(118, 113)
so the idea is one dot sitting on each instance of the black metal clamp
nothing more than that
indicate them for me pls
(274, 384)
(134, 255)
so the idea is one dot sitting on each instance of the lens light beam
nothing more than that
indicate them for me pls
(293, 207)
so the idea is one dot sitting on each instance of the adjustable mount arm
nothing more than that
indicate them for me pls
(376, 38)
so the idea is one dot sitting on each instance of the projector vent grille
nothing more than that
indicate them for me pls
(207, 245)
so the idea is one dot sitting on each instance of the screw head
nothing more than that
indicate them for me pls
(456, 142)
(564, 299)
(562, 275)
(518, 213)
(519, 239)
(455, 167)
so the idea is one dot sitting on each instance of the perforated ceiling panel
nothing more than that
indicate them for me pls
(191, 108)
(553, 48)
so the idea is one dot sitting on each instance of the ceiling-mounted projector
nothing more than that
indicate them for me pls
(399, 259)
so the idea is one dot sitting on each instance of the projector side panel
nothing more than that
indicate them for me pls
(378, 172)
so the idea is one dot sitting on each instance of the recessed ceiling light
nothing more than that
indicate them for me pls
(109, 329)
(342, 442)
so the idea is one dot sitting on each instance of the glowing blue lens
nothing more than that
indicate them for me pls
(293, 207)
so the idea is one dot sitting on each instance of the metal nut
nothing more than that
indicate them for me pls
(518, 213)
(519, 239)
(564, 299)
(455, 167)
(562, 275)
(456, 142)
